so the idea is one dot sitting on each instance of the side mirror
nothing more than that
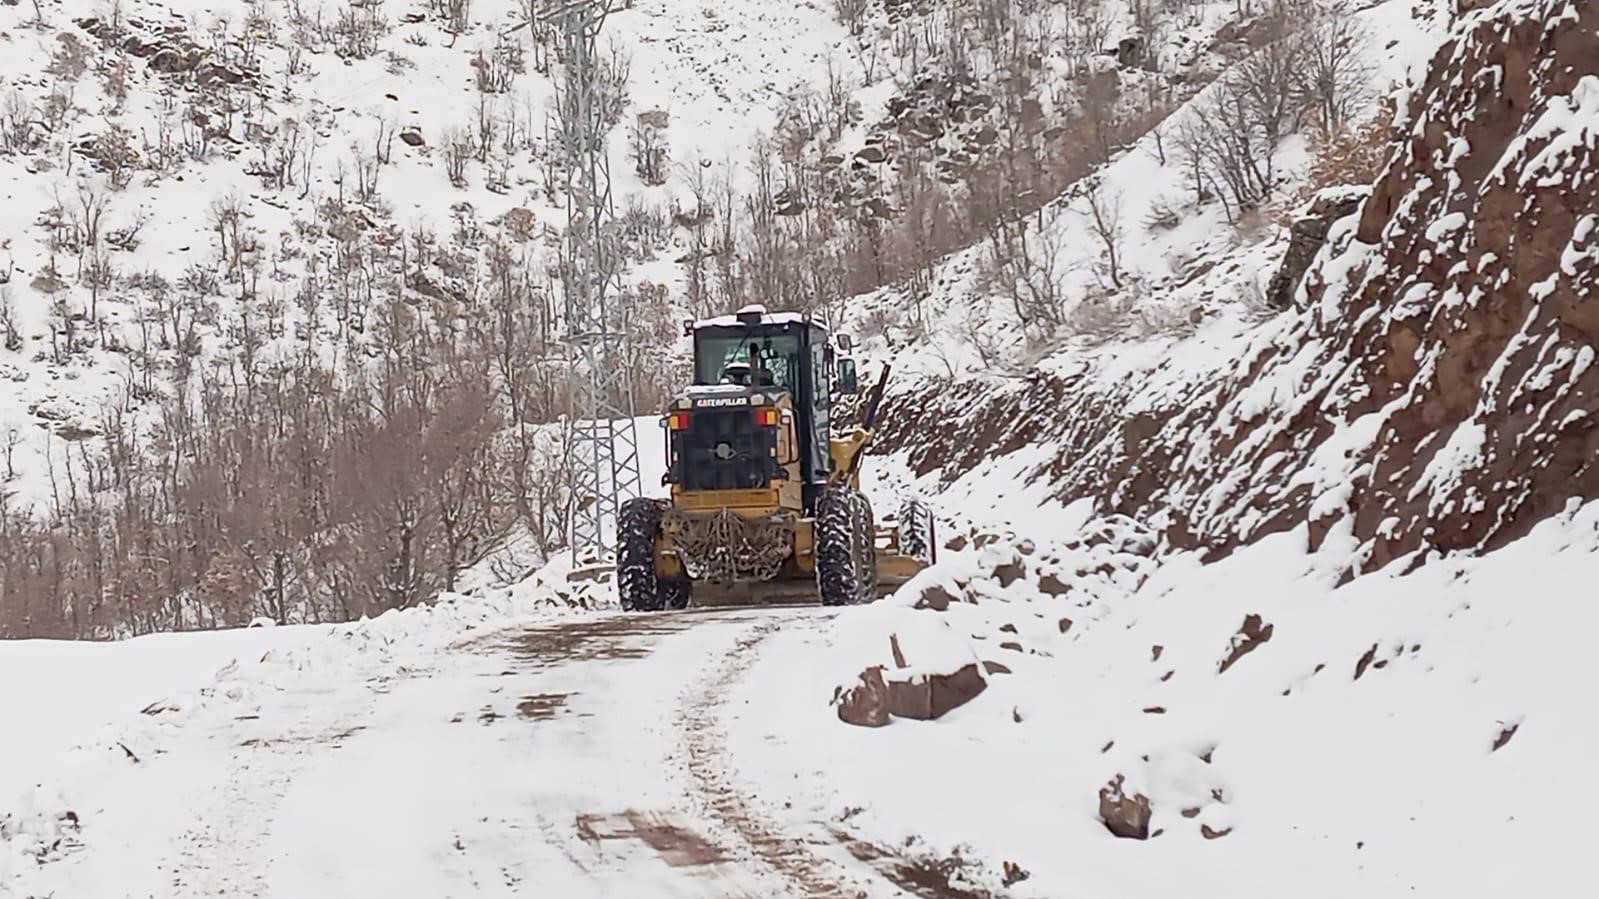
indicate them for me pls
(847, 381)
(845, 342)
(688, 327)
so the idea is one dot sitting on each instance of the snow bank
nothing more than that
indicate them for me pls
(91, 722)
(1286, 732)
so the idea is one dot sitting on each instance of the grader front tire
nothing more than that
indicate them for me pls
(846, 565)
(638, 587)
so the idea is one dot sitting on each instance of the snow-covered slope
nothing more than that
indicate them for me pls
(1432, 391)
(174, 171)
(1289, 735)
(1283, 600)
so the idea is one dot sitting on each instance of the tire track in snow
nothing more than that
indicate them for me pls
(224, 853)
(705, 753)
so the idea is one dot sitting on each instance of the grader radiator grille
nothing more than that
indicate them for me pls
(723, 449)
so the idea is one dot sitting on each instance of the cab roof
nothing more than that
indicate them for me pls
(743, 316)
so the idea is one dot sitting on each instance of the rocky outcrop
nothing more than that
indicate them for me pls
(166, 49)
(1436, 394)
(1307, 235)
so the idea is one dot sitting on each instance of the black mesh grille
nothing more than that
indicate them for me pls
(723, 449)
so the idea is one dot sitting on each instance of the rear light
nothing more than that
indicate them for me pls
(767, 417)
(677, 421)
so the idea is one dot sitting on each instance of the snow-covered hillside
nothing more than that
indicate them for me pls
(1261, 453)
(1348, 540)
(174, 169)
(1429, 389)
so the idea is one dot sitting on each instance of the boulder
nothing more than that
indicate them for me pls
(935, 597)
(865, 705)
(927, 697)
(1125, 816)
(873, 153)
(412, 137)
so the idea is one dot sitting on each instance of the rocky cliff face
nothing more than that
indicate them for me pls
(1436, 393)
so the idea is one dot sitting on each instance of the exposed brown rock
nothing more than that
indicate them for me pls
(1251, 634)
(1459, 265)
(935, 597)
(1210, 834)
(929, 697)
(1365, 660)
(866, 705)
(996, 668)
(1505, 733)
(1306, 237)
(1125, 816)
(1053, 586)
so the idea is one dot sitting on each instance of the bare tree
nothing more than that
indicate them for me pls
(1335, 54)
(1105, 220)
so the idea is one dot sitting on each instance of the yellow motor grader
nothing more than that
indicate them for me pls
(765, 504)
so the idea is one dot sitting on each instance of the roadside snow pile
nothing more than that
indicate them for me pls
(1003, 604)
(38, 829)
(1237, 727)
(97, 720)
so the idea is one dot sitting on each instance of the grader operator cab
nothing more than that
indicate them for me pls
(765, 500)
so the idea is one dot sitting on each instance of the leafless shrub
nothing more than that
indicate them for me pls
(116, 155)
(648, 145)
(126, 238)
(852, 14)
(1163, 215)
(366, 178)
(10, 336)
(497, 68)
(1317, 73)
(1022, 264)
(611, 78)
(459, 15)
(358, 29)
(18, 119)
(456, 146)
(71, 58)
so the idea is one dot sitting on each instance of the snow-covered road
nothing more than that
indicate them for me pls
(579, 758)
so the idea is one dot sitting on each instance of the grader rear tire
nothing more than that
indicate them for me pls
(846, 565)
(637, 585)
(916, 532)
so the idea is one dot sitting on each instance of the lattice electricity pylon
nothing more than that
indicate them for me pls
(602, 443)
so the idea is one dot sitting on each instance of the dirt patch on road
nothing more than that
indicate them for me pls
(677, 844)
(926, 878)
(595, 639)
(542, 705)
